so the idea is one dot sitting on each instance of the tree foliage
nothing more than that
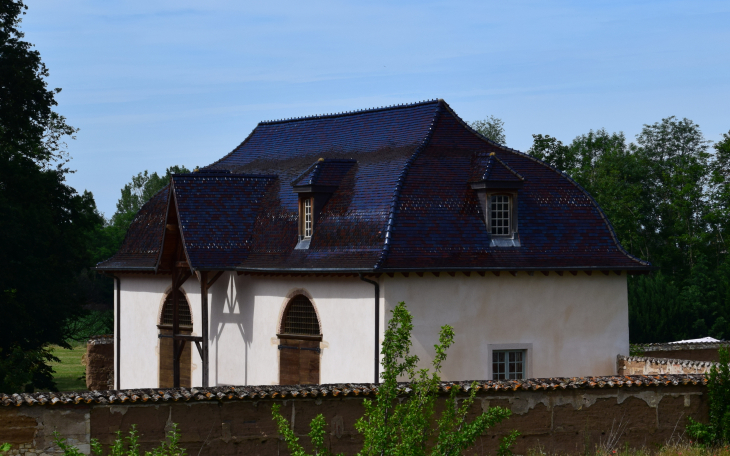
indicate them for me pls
(491, 127)
(403, 425)
(44, 223)
(668, 199)
(717, 431)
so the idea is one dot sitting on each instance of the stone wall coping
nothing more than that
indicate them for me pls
(669, 346)
(101, 339)
(681, 362)
(251, 393)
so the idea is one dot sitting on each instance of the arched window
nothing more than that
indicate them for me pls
(186, 320)
(300, 317)
(166, 351)
(299, 336)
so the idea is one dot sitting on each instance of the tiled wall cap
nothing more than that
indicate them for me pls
(232, 393)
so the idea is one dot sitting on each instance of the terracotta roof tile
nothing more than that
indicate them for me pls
(233, 393)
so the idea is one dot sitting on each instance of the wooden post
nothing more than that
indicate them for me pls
(204, 322)
(175, 330)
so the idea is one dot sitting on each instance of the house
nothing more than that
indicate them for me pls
(279, 263)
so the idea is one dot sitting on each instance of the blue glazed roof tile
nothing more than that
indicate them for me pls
(400, 199)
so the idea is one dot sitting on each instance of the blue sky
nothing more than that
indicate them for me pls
(156, 83)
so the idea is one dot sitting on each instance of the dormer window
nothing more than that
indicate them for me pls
(307, 217)
(498, 191)
(314, 187)
(500, 216)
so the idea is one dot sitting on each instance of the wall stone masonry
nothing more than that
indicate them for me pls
(693, 351)
(642, 365)
(99, 361)
(558, 415)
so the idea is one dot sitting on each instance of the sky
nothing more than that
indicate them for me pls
(152, 84)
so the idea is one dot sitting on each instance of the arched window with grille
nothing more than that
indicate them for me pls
(299, 336)
(166, 351)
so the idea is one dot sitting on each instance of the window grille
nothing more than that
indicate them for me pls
(308, 217)
(500, 215)
(300, 317)
(508, 364)
(183, 311)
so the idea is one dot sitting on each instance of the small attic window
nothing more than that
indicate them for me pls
(306, 218)
(500, 207)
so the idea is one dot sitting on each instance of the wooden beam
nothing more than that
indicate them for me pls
(203, 346)
(496, 273)
(606, 272)
(618, 273)
(390, 274)
(575, 273)
(182, 264)
(467, 273)
(452, 273)
(215, 277)
(588, 272)
(176, 349)
(420, 274)
(436, 273)
(405, 274)
(514, 273)
(481, 273)
(531, 273)
(560, 273)
(545, 273)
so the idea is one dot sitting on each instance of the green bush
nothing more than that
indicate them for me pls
(717, 431)
(394, 425)
(127, 446)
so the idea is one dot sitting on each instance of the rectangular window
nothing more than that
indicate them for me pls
(308, 218)
(500, 215)
(509, 364)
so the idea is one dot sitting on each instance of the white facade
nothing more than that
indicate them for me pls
(569, 325)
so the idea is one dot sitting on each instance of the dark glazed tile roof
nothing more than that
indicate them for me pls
(325, 173)
(401, 200)
(497, 170)
(244, 393)
(141, 246)
(217, 214)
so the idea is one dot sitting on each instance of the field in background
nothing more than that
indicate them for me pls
(70, 369)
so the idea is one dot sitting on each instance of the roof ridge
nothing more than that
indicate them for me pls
(229, 174)
(490, 168)
(351, 113)
(399, 184)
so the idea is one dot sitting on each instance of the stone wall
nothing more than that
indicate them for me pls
(99, 361)
(693, 351)
(642, 365)
(556, 415)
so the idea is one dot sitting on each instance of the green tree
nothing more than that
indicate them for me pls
(553, 152)
(718, 218)
(44, 223)
(491, 127)
(677, 166)
(395, 424)
(136, 193)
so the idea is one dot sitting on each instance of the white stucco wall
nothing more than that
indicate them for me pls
(244, 318)
(571, 325)
(576, 325)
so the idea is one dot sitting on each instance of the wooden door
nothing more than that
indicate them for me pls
(166, 369)
(298, 362)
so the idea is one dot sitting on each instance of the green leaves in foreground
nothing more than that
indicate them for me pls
(717, 431)
(126, 446)
(398, 424)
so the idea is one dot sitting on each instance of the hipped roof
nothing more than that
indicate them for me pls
(402, 201)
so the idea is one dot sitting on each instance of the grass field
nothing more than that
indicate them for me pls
(70, 368)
